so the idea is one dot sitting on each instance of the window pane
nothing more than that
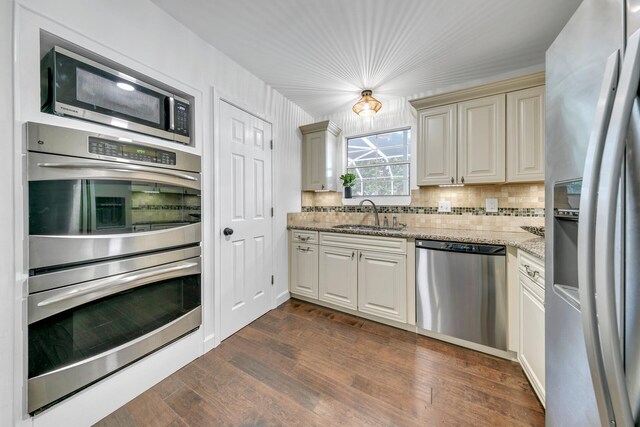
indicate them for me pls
(390, 180)
(383, 148)
(373, 159)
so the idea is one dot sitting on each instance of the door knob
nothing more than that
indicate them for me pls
(227, 231)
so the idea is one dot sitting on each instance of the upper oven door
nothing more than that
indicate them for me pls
(84, 210)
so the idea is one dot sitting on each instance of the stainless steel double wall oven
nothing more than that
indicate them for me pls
(114, 256)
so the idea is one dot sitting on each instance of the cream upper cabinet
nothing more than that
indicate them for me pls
(338, 276)
(525, 135)
(320, 161)
(486, 134)
(437, 146)
(481, 140)
(382, 285)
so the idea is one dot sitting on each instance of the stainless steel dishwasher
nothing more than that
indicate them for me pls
(461, 291)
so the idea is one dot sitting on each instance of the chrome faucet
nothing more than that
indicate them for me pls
(375, 210)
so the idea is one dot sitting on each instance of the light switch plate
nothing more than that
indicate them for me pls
(491, 205)
(444, 206)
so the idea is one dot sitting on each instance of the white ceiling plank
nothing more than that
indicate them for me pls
(321, 53)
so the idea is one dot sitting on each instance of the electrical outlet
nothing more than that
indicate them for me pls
(491, 205)
(444, 206)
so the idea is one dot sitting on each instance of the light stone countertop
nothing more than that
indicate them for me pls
(522, 240)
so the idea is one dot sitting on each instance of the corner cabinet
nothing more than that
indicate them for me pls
(525, 135)
(482, 135)
(320, 161)
(532, 337)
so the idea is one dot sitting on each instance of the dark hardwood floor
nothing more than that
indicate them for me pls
(302, 364)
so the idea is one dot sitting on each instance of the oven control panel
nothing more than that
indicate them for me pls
(139, 153)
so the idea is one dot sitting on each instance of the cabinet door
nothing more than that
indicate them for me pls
(481, 140)
(382, 285)
(304, 270)
(531, 354)
(338, 276)
(436, 147)
(525, 135)
(319, 161)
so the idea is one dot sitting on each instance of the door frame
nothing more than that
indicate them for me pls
(217, 98)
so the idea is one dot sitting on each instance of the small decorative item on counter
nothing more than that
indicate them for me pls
(348, 181)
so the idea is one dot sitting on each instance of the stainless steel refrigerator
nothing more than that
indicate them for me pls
(592, 301)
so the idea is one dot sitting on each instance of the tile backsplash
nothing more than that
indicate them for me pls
(518, 204)
(513, 196)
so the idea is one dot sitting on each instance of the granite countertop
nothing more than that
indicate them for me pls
(522, 240)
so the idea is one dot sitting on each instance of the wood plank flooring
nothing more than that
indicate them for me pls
(306, 365)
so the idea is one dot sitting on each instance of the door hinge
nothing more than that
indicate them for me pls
(271, 144)
(271, 212)
(272, 279)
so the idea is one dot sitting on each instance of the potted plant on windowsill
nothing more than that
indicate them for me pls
(348, 181)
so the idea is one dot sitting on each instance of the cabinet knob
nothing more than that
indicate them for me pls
(227, 231)
(452, 180)
(352, 255)
(462, 180)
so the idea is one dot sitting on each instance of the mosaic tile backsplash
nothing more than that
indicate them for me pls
(518, 204)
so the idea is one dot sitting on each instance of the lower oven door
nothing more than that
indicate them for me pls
(78, 334)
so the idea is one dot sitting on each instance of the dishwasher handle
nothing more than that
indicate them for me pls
(470, 248)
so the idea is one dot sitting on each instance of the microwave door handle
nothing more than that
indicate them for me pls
(586, 235)
(172, 113)
(123, 167)
(625, 104)
(102, 288)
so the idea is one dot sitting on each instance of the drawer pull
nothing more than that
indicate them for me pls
(531, 272)
(303, 239)
(304, 250)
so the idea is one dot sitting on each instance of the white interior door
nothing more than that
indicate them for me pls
(245, 196)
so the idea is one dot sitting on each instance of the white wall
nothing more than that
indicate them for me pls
(140, 36)
(7, 300)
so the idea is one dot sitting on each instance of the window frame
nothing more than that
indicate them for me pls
(394, 200)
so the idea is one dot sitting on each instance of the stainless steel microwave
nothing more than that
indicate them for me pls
(72, 85)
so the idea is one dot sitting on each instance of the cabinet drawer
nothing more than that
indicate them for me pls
(531, 267)
(369, 243)
(533, 288)
(304, 236)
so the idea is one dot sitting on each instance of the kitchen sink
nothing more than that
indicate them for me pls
(357, 227)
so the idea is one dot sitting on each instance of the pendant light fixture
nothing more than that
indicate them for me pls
(367, 106)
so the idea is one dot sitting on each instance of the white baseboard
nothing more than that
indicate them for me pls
(283, 297)
(209, 343)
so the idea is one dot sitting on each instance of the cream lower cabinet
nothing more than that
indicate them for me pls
(304, 270)
(382, 285)
(367, 274)
(532, 338)
(338, 276)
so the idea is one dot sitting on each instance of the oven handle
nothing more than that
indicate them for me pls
(118, 167)
(66, 299)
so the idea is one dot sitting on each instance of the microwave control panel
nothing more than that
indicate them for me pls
(181, 112)
(138, 153)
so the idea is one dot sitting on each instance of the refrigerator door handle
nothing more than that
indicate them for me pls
(611, 171)
(586, 235)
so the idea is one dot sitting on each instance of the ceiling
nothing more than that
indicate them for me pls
(321, 53)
